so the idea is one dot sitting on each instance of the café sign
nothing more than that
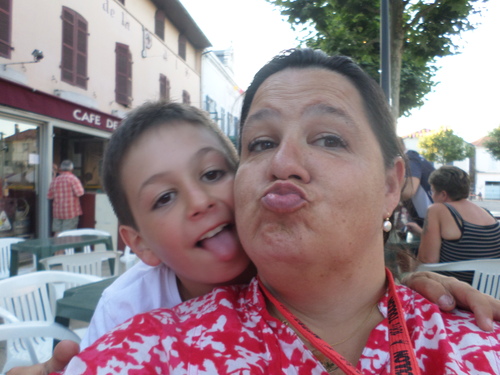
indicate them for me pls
(26, 98)
(94, 119)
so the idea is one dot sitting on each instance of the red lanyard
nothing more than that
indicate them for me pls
(403, 361)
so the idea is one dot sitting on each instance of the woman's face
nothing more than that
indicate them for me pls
(311, 186)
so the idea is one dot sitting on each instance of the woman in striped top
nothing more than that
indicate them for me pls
(455, 228)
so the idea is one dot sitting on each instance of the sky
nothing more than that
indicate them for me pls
(467, 99)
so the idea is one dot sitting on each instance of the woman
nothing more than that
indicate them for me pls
(455, 228)
(319, 177)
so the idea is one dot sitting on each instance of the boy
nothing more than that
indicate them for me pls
(168, 171)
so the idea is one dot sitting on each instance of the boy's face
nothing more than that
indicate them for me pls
(180, 189)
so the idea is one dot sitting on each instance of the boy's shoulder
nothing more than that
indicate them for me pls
(204, 313)
(159, 282)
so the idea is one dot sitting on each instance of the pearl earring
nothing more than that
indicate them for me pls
(387, 225)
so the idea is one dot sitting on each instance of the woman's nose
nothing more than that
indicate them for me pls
(199, 202)
(289, 161)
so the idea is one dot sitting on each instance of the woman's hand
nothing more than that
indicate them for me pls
(448, 293)
(63, 352)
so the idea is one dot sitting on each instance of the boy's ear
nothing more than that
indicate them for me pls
(134, 240)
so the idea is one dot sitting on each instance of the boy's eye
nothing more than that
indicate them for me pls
(261, 145)
(330, 141)
(164, 199)
(213, 175)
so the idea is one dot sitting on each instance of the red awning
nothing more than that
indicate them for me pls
(26, 98)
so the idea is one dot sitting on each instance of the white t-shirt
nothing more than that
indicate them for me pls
(138, 290)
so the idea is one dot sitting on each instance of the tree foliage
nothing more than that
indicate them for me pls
(492, 143)
(444, 147)
(421, 31)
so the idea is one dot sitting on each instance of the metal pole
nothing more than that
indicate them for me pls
(385, 49)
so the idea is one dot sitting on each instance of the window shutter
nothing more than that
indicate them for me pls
(186, 98)
(5, 25)
(74, 49)
(81, 53)
(160, 24)
(67, 63)
(182, 47)
(164, 87)
(123, 89)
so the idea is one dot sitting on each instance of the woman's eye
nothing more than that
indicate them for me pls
(214, 175)
(261, 145)
(330, 141)
(164, 199)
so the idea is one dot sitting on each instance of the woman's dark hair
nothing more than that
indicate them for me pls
(453, 180)
(374, 100)
(148, 116)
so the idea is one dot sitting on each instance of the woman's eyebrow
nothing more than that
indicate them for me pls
(260, 115)
(322, 108)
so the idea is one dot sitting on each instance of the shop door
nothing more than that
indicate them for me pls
(492, 190)
(19, 168)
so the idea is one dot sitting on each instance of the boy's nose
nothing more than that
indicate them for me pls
(200, 201)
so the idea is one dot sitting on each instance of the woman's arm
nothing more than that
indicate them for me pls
(430, 238)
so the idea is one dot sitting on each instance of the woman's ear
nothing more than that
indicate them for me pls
(395, 177)
(134, 240)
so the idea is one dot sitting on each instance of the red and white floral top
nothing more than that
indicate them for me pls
(229, 331)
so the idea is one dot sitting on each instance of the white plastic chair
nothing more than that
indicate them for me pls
(486, 273)
(81, 232)
(32, 298)
(128, 259)
(5, 255)
(83, 263)
(29, 332)
(22, 337)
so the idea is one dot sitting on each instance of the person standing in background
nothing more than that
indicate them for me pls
(65, 190)
(416, 194)
(55, 170)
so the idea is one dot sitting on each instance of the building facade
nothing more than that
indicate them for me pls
(221, 95)
(69, 71)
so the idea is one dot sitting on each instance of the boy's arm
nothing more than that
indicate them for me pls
(100, 324)
(448, 293)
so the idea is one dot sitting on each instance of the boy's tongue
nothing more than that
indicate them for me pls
(224, 245)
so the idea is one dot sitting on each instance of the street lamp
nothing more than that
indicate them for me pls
(37, 57)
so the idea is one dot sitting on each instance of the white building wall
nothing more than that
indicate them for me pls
(38, 25)
(218, 84)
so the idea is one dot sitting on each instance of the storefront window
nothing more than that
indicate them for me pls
(85, 151)
(19, 161)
